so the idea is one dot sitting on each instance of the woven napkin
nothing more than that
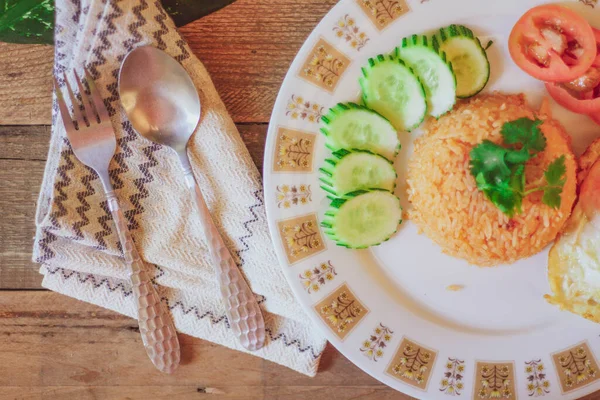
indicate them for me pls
(76, 241)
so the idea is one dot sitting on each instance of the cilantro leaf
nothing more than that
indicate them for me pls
(526, 132)
(518, 156)
(517, 184)
(552, 196)
(487, 159)
(499, 170)
(555, 181)
(556, 171)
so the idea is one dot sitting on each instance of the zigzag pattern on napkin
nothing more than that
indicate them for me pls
(293, 342)
(122, 144)
(161, 273)
(62, 183)
(214, 319)
(85, 206)
(259, 203)
(99, 51)
(195, 311)
(133, 27)
(164, 29)
(77, 13)
(59, 45)
(84, 278)
(44, 244)
(140, 185)
(106, 228)
(184, 53)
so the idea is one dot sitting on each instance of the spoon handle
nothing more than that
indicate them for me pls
(242, 309)
(156, 326)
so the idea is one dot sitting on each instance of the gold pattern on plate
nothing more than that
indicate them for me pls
(299, 108)
(576, 367)
(341, 311)
(412, 364)
(324, 66)
(537, 381)
(293, 195)
(452, 382)
(383, 12)
(346, 29)
(373, 348)
(315, 278)
(294, 151)
(495, 380)
(591, 3)
(301, 237)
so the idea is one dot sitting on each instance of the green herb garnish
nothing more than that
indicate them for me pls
(499, 170)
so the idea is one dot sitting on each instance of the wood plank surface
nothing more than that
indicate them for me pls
(25, 84)
(56, 347)
(247, 48)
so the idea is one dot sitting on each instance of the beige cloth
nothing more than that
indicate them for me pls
(76, 241)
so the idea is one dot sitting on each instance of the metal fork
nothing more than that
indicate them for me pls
(94, 143)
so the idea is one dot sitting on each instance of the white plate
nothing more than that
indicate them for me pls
(436, 342)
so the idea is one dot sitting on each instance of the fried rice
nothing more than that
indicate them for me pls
(448, 207)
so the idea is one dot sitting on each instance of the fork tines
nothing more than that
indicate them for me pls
(86, 111)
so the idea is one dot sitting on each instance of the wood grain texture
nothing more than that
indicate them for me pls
(21, 180)
(25, 84)
(56, 347)
(23, 151)
(24, 142)
(247, 48)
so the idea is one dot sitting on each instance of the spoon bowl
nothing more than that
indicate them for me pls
(159, 97)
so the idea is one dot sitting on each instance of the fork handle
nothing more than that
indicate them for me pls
(156, 326)
(242, 309)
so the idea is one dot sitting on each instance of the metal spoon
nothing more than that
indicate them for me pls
(162, 104)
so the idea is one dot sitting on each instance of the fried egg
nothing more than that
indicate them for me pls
(574, 260)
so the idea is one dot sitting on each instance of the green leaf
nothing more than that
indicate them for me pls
(517, 185)
(555, 178)
(515, 157)
(556, 171)
(26, 21)
(32, 21)
(525, 132)
(185, 11)
(488, 158)
(499, 171)
(552, 196)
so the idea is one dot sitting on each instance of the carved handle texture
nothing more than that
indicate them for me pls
(156, 326)
(243, 311)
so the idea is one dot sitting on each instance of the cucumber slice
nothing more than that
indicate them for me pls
(468, 58)
(350, 126)
(436, 74)
(350, 171)
(391, 88)
(363, 218)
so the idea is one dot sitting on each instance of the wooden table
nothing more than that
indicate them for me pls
(52, 346)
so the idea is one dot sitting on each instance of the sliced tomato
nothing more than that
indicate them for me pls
(596, 62)
(587, 103)
(586, 83)
(553, 43)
